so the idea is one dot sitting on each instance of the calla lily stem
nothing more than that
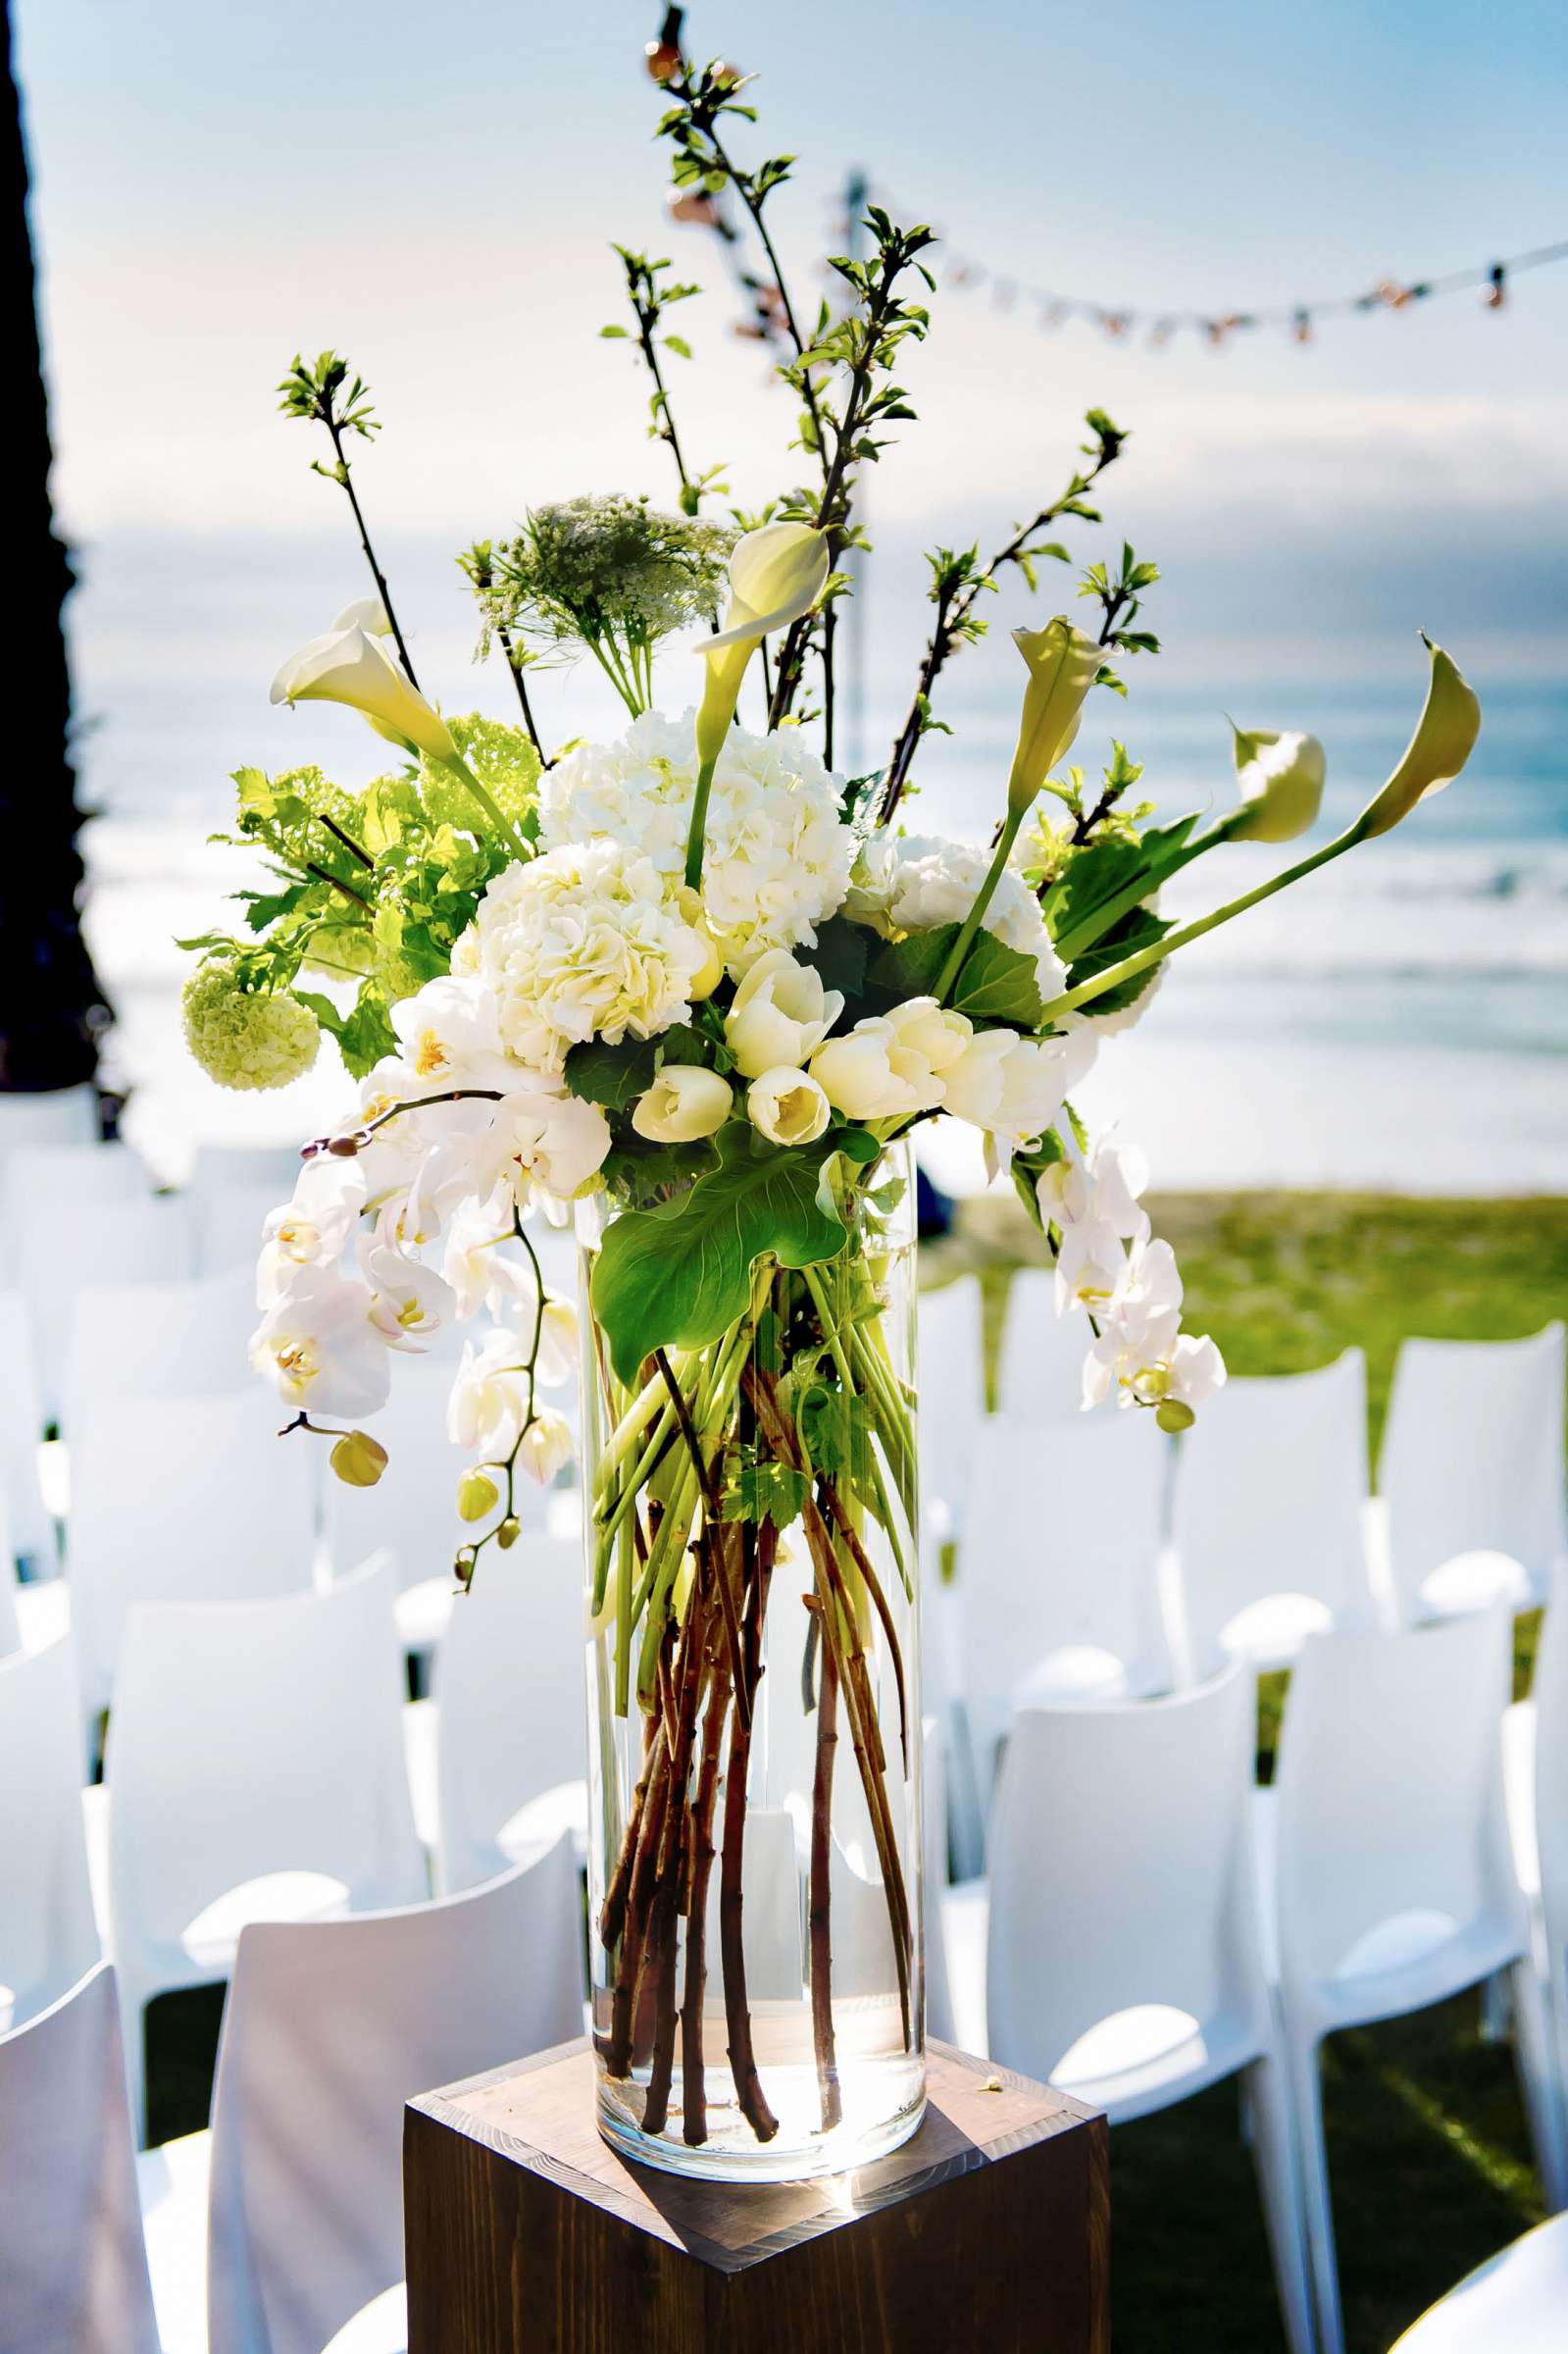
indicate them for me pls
(699, 820)
(972, 921)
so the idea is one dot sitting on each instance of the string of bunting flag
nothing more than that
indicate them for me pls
(705, 208)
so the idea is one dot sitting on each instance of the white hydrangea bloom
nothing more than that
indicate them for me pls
(583, 942)
(776, 858)
(917, 882)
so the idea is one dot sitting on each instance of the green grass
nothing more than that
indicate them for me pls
(1428, 2150)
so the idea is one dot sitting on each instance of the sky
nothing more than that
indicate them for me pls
(216, 187)
(435, 193)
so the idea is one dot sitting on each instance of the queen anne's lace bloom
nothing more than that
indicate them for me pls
(585, 943)
(246, 1037)
(917, 882)
(777, 857)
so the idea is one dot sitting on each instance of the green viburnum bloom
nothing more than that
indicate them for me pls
(246, 1037)
(611, 573)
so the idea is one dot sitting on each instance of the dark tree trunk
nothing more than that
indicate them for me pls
(52, 1010)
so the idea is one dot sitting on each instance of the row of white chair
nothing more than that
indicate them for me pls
(1151, 1924)
(259, 1766)
(282, 2225)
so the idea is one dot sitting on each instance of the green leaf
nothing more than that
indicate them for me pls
(996, 985)
(760, 1488)
(1139, 929)
(840, 955)
(679, 1275)
(614, 1076)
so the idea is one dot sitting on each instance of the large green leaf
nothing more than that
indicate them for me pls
(996, 984)
(1139, 929)
(678, 1275)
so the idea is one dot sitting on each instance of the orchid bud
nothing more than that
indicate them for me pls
(1281, 777)
(507, 1535)
(1063, 664)
(1172, 1416)
(358, 1460)
(476, 1496)
(1443, 742)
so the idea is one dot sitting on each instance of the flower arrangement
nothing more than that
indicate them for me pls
(694, 987)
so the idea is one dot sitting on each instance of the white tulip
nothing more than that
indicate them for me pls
(788, 1105)
(319, 1346)
(684, 1103)
(350, 666)
(1009, 1086)
(545, 1446)
(780, 1014)
(890, 1065)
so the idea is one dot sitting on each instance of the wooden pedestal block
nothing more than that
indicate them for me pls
(526, 2235)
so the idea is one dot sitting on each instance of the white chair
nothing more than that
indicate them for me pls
(255, 1773)
(1058, 1578)
(21, 1421)
(953, 1397)
(1386, 1848)
(412, 1510)
(1535, 1779)
(511, 1742)
(181, 1499)
(1515, 2303)
(1124, 1959)
(1042, 1378)
(82, 1173)
(1472, 1473)
(47, 1934)
(331, 2027)
(939, 2018)
(56, 1116)
(230, 1191)
(1270, 1493)
(65, 1244)
(176, 1339)
(73, 2265)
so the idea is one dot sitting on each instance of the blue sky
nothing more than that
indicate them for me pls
(434, 193)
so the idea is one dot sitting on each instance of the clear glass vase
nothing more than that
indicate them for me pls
(753, 1561)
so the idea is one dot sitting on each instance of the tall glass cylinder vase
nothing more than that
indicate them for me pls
(752, 1563)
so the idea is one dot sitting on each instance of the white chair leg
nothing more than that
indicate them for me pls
(1306, 2088)
(966, 1805)
(1266, 2109)
(133, 2041)
(1535, 2055)
(1496, 2015)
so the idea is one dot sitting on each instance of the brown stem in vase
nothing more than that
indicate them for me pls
(684, 1700)
(628, 1962)
(612, 1913)
(874, 1587)
(699, 1871)
(821, 1895)
(759, 1548)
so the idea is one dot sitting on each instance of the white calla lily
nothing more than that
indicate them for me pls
(350, 666)
(775, 575)
(1280, 774)
(1443, 741)
(1063, 665)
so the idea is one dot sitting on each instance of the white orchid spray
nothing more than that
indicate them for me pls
(695, 988)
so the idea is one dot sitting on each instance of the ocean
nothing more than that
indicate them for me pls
(1399, 1022)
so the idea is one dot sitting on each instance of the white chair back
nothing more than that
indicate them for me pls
(1270, 1493)
(1058, 1577)
(953, 1395)
(160, 1340)
(1120, 1874)
(65, 1242)
(21, 1420)
(330, 2028)
(1473, 1463)
(47, 1934)
(1043, 1354)
(181, 1499)
(56, 1116)
(411, 1512)
(64, 1171)
(256, 1737)
(233, 1190)
(1550, 1695)
(1389, 1797)
(511, 1722)
(72, 2263)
